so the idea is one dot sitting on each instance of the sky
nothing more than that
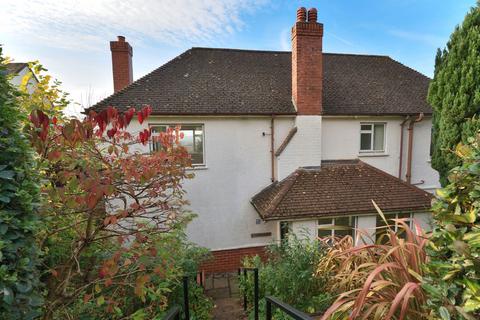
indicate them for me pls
(71, 37)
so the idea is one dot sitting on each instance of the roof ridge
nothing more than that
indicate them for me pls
(289, 52)
(241, 50)
(418, 190)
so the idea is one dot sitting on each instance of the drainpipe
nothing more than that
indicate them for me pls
(272, 146)
(410, 146)
(400, 162)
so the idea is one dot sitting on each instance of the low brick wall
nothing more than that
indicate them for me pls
(230, 260)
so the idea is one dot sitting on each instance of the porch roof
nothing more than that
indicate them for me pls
(339, 187)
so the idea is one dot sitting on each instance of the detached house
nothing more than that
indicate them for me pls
(281, 142)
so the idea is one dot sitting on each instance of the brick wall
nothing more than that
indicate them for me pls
(307, 63)
(230, 260)
(121, 63)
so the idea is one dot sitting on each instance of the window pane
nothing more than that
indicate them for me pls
(343, 227)
(156, 145)
(382, 227)
(366, 141)
(324, 233)
(193, 142)
(366, 127)
(379, 136)
(328, 221)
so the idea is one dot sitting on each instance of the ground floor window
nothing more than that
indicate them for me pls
(382, 226)
(336, 227)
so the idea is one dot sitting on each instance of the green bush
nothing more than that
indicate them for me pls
(289, 275)
(19, 195)
(175, 257)
(453, 281)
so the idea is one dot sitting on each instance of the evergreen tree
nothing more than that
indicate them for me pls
(455, 93)
(19, 196)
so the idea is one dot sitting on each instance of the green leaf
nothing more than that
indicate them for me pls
(7, 174)
(444, 313)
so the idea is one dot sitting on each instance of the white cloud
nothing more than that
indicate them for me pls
(70, 37)
(85, 24)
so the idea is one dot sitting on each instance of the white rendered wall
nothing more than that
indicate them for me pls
(304, 149)
(341, 140)
(17, 80)
(238, 165)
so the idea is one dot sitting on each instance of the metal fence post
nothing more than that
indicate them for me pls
(185, 298)
(269, 310)
(255, 275)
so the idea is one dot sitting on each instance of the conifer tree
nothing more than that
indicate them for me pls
(455, 93)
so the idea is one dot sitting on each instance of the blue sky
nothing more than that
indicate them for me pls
(70, 37)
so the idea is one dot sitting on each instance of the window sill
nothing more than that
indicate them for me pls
(372, 154)
(195, 168)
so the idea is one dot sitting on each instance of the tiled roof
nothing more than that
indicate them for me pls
(15, 67)
(342, 187)
(229, 82)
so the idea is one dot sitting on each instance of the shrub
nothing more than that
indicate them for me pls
(383, 281)
(453, 281)
(19, 196)
(288, 274)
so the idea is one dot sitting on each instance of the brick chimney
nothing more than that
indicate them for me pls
(121, 63)
(307, 63)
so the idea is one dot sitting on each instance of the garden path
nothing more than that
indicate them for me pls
(223, 289)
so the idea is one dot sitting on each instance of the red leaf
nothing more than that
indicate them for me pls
(140, 117)
(87, 298)
(129, 115)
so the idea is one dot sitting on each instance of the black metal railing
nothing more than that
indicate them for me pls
(173, 314)
(255, 289)
(286, 308)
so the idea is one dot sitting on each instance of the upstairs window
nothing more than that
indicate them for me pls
(193, 140)
(336, 227)
(372, 137)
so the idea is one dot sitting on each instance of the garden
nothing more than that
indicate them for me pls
(89, 225)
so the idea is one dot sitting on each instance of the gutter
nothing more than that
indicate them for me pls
(400, 162)
(410, 146)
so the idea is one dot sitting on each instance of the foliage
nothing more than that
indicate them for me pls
(112, 215)
(455, 93)
(288, 274)
(453, 281)
(19, 196)
(377, 281)
(41, 92)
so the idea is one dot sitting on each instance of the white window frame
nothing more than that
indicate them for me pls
(332, 224)
(173, 125)
(372, 135)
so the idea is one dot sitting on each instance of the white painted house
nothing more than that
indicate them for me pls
(20, 71)
(288, 141)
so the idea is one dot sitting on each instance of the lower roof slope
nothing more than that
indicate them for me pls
(233, 82)
(342, 187)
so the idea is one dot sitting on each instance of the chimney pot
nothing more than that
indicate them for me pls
(312, 15)
(121, 38)
(301, 14)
